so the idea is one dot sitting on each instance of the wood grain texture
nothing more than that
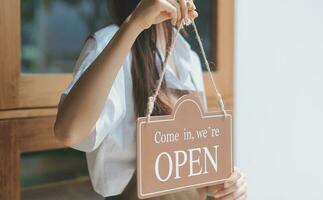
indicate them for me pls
(38, 90)
(27, 113)
(79, 189)
(225, 46)
(223, 26)
(35, 91)
(19, 90)
(9, 161)
(37, 134)
(9, 52)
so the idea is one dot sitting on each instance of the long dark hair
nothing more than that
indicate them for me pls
(144, 54)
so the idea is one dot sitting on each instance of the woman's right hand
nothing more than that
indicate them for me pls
(150, 12)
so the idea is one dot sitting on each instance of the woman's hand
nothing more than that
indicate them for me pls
(149, 12)
(235, 188)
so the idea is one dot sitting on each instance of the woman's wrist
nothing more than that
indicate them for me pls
(132, 24)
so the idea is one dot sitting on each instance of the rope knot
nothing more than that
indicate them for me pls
(152, 99)
(150, 105)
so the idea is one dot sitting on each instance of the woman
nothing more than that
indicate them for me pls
(116, 72)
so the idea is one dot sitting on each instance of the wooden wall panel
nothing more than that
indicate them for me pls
(225, 47)
(37, 134)
(224, 89)
(9, 161)
(28, 113)
(19, 90)
(39, 90)
(223, 26)
(16, 137)
(9, 52)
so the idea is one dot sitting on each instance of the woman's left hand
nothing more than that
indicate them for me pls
(235, 188)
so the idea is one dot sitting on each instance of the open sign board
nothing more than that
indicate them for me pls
(185, 150)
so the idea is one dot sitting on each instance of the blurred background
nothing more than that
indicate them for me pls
(279, 97)
(53, 31)
(267, 61)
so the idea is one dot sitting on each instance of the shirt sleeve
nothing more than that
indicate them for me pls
(114, 109)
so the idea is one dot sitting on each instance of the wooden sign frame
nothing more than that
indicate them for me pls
(189, 113)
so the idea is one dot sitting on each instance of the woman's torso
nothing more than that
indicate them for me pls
(111, 149)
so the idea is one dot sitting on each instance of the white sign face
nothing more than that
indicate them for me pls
(188, 149)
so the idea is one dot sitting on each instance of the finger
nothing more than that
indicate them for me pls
(163, 17)
(184, 8)
(165, 5)
(235, 187)
(236, 195)
(202, 191)
(233, 178)
(178, 10)
(212, 190)
(191, 5)
(192, 15)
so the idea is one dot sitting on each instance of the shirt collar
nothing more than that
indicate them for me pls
(182, 58)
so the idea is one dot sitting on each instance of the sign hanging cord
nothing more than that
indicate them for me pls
(216, 90)
(152, 99)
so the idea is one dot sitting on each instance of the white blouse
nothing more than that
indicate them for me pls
(111, 146)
